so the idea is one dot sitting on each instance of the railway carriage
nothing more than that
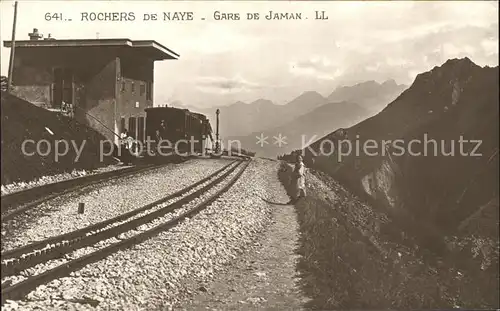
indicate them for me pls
(184, 133)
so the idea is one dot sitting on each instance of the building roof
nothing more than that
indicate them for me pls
(161, 52)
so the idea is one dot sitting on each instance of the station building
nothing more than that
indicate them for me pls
(106, 83)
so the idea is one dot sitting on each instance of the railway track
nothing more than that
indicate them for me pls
(131, 228)
(18, 202)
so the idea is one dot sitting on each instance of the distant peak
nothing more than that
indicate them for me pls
(455, 69)
(457, 63)
(310, 93)
(261, 101)
(390, 82)
(463, 60)
(359, 84)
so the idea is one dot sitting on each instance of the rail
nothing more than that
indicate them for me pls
(20, 201)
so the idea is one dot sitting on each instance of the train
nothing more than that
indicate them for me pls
(171, 133)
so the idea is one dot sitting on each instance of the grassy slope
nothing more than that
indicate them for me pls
(354, 256)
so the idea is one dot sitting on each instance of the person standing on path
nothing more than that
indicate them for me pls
(298, 180)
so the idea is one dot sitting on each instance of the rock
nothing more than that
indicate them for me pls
(202, 289)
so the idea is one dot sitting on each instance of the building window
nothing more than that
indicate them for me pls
(133, 87)
(142, 89)
(149, 90)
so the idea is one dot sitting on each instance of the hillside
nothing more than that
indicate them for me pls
(23, 121)
(305, 128)
(445, 203)
(457, 99)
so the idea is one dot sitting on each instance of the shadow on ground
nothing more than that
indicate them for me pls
(275, 203)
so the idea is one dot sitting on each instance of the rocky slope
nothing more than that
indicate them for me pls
(438, 192)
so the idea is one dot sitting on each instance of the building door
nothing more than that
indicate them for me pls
(132, 127)
(122, 125)
(57, 95)
(68, 86)
(140, 129)
(62, 88)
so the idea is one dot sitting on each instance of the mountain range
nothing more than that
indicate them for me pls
(369, 95)
(304, 128)
(306, 116)
(241, 119)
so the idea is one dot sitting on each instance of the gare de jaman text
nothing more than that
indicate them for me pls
(188, 16)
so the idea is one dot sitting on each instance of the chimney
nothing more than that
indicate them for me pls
(35, 35)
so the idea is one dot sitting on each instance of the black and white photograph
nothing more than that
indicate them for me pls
(249, 155)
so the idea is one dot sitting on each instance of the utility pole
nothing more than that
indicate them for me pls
(12, 49)
(217, 143)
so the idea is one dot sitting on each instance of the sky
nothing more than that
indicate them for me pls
(224, 61)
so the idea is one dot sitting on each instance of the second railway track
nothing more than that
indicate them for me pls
(18, 202)
(131, 228)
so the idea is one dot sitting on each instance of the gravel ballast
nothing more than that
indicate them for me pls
(43, 267)
(105, 201)
(153, 275)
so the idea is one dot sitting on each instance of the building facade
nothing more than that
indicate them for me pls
(104, 83)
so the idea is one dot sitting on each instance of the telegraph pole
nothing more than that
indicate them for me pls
(12, 49)
(217, 143)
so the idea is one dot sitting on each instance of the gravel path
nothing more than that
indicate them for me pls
(265, 278)
(166, 270)
(104, 201)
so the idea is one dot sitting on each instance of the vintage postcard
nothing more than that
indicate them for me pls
(249, 155)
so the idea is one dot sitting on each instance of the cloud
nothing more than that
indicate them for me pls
(397, 61)
(366, 40)
(373, 67)
(317, 67)
(490, 46)
(224, 85)
(216, 39)
(357, 46)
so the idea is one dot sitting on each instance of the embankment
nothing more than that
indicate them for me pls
(24, 122)
(355, 256)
